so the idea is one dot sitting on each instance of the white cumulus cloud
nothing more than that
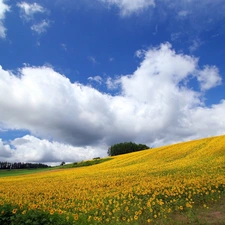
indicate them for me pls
(30, 148)
(5, 151)
(209, 77)
(155, 106)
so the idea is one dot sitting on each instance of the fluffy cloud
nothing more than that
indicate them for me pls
(29, 148)
(3, 9)
(130, 6)
(112, 84)
(155, 106)
(28, 10)
(45, 102)
(32, 149)
(5, 151)
(209, 78)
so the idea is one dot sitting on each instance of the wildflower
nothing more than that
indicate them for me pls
(76, 216)
(188, 205)
(136, 217)
(14, 211)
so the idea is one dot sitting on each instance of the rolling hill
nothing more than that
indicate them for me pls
(147, 187)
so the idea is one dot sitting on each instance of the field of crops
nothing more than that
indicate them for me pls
(137, 188)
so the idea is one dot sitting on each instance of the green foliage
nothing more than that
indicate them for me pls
(19, 172)
(85, 163)
(62, 163)
(15, 215)
(126, 147)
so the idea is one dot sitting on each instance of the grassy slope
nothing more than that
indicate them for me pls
(19, 172)
(84, 163)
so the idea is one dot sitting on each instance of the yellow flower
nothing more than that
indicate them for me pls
(136, 217)
(14, 211)
(52, 211)
(76, 216)
(188, 205)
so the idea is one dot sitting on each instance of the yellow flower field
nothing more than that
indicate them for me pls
(135, 188)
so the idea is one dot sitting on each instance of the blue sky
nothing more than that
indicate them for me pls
(79, 76)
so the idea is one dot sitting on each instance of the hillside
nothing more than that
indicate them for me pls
(136, 188)
(208, 151)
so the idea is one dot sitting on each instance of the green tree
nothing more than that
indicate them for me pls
(126, 147)
(62, 163)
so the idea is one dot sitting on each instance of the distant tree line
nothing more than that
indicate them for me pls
(19, 165)
(126, 147)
